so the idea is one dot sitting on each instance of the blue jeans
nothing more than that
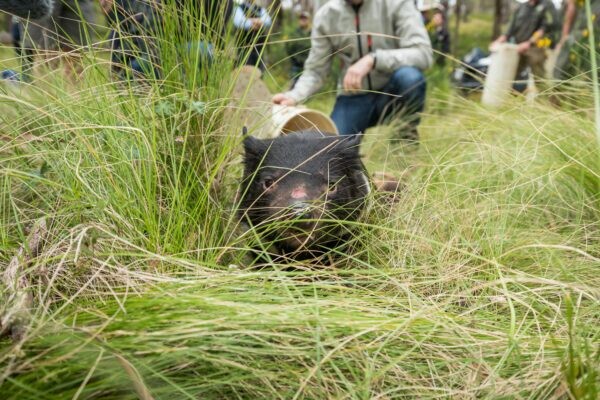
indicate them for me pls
(404, 93)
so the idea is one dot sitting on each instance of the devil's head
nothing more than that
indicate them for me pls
(297, 189)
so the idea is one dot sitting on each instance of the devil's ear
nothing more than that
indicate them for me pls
(254, 148)
(350, 144)
(355, 140)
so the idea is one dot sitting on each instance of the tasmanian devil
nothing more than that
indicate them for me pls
(299, 188)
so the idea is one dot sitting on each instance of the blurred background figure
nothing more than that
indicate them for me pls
(434, 17)
(573, 48)
(533, 28)
(65, 30)
(5, 35)
(131, 47)
(11, 35)
(298, 46)
(252, 22)
(134, 27)
(33, 9)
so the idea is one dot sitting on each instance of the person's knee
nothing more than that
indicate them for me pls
(351, 114)
(409, 79)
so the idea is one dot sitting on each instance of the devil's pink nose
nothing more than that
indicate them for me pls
(299, 193)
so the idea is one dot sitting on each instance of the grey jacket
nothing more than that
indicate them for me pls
(27, 8)
(391, 29)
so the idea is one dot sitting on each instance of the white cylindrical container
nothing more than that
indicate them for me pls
(501, 74)
(252, 107)
(293, 119)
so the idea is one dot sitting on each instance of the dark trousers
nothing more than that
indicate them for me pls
(255, 57)
(403, 94)
(15, 30)
(137, 56)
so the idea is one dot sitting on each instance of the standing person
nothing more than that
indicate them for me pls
(217, 15)
(132, 47)
(437, 28)
(135, 23)
(532, 23)
(573, 48)
(65, 29)
(383, 48)
(252, 22)
(298, 46)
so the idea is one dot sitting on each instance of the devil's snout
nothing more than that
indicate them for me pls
(300, 210)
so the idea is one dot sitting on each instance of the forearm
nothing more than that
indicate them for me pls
(537, 35)
(570, 13)
(308, 84)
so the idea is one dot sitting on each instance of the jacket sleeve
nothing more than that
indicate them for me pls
(414, 47)
(550, 23)
(265, 18)
(33, 9)
(510, 30)
(240, 21)
(318, 63)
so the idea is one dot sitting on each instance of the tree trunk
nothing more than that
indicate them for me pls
(498, 18)
(455, 37)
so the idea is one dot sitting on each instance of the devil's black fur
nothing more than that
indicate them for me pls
(298, 187)
(27, 8)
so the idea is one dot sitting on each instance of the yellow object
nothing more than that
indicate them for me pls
(544, 43)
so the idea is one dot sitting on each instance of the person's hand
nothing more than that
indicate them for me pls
(560, 44)
(256, 23)
(357, 71)
(283, 100)
(106, 5)
(523, 47)
(494, 45)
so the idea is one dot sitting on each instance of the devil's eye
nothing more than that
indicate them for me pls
(268, 182)
(332, 187)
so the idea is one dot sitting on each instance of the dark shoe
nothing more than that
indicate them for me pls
(407, 136)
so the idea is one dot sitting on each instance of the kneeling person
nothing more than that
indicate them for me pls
(383, 47)
(532, 27)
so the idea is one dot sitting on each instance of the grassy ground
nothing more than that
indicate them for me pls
(480, 280)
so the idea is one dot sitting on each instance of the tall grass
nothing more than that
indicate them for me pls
(479, 281)
(594, 64)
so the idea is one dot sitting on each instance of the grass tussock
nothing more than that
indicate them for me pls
(479, 281)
